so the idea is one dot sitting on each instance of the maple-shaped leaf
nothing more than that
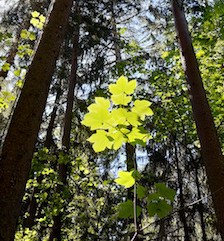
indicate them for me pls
(98, 115)
(101, 104)
(132, 119)
(138, 134)
(141, 108)
(123, 86)
(96, 120)
(100, 141)
(118, 138)
(118, 117)
(125, 179)
(121, 99)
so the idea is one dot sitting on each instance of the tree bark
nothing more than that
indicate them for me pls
(210, 146)
(200, 205)
(18, 146)
(181, 194)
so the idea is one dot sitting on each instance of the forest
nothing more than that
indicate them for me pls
(112, 120)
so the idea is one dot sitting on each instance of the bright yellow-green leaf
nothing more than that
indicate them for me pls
(32, 36)
(42, 18)
(19, 83)
(98, 116)
(96, 120)
(136, 134)
(34, 22)
(101, 104)
(24, 34)
(123, 86)
(6, 66)
(121, 99)
(17, 72)
(100, 141)
(35, 14)
(118, 139)
(40, 25)
(125, 179)
(165, 54)
(200, 53)
(141, 108)
(119, 116)
(132, 119)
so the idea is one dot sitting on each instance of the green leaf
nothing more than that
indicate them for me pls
(126, 210)
(17, 72)
(19, 83)
(125, 179)
(141, 191)
(141, 108)
(165, 191)
(161, 208)
(32, 36)
(24, 34)
(100, 141)
(153, 197)
(6, 67)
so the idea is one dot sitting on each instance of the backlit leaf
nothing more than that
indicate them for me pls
(141, 108)
(125, 179)
(100, 141)
(121, 99)
(123, 86)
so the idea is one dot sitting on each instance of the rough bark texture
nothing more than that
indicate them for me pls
(210, 146)
(18, 146)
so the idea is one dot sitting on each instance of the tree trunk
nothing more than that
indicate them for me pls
(200, 204)
(181, 194)
(56, 229)
(210, 146)
(18, 146)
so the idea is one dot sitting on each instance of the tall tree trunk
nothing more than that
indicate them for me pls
(210, 146)
(18, 146)
(200, 205)
(62, 171)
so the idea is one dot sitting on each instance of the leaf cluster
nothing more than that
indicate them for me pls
(119, 119)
